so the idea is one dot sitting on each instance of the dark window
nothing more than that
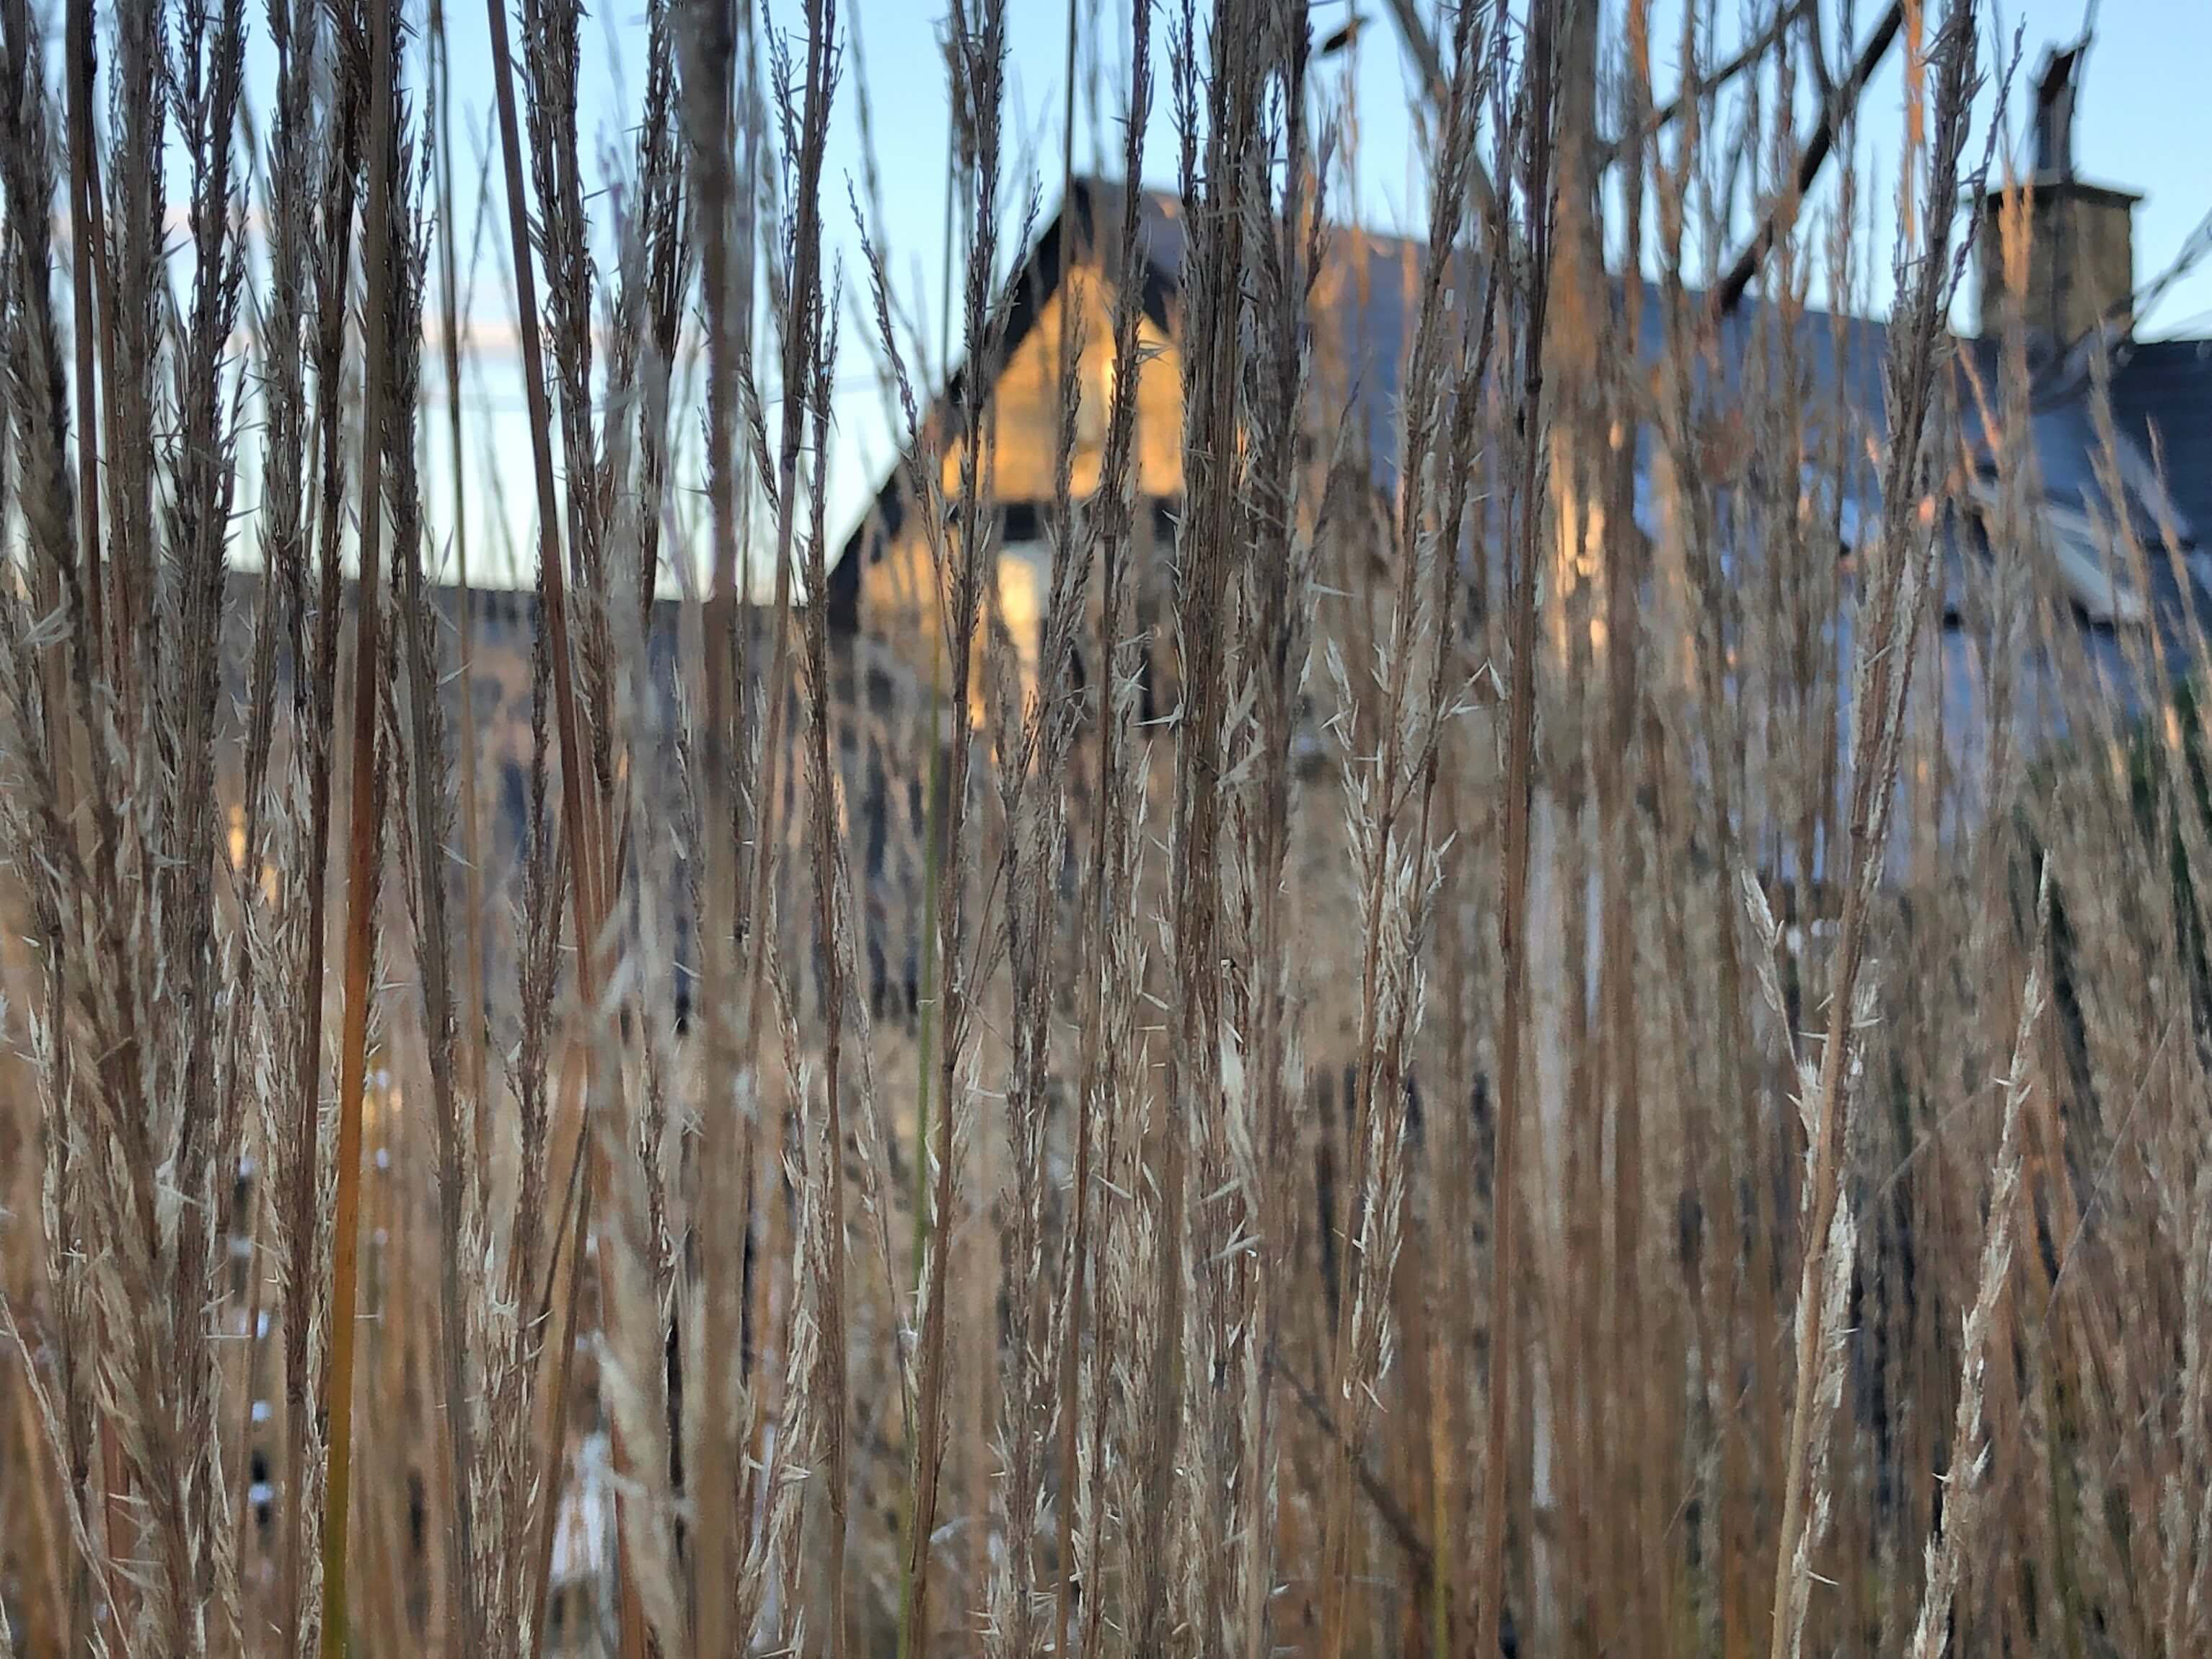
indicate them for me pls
(515, 804)
(875, 812)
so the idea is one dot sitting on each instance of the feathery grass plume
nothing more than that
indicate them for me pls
(589, 868)
(136, 1104)
(551, 45)
(430, 815)
(1965, 1483)
(304, 1177)
(801, 99)
(381, 253)
(922, 478)
(961, 545)
(770, 1590)
(268, 1007)
(1285, 527)
(1035, 708)
(509, 1335)
(133, 295)
(1109, 523)
(854, 932)
(1889, 635)
(1842, 1235)
(655, 267)
(32, 435)
(205, 73)
(826, 1197)
(644, 317)
(1215, 195)
(1394, 844)
(474, 1038)
(1271, 592)
(614, 683)
(79, 72)
(632, 1375)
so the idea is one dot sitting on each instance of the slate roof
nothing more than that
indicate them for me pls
(2162, 394)
(2161, 390)
(2151, 384)
(1088, 224)
(1369, 293)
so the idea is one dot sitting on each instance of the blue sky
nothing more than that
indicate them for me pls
(2144, 124)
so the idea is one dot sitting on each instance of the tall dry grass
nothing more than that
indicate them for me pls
(1478, 1050)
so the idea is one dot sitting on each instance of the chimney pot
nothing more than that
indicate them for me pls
(2080, 276)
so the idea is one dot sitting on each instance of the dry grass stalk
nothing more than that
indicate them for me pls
(1968, 1466)
(960, 546)
(582, 827)
(721, 216)
(1394, 851)
(1535, 119)
(1889, 638)
(364, 836)
(1213, 1337)
(474, 1039)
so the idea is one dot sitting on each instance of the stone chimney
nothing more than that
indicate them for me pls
(2080, 274)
